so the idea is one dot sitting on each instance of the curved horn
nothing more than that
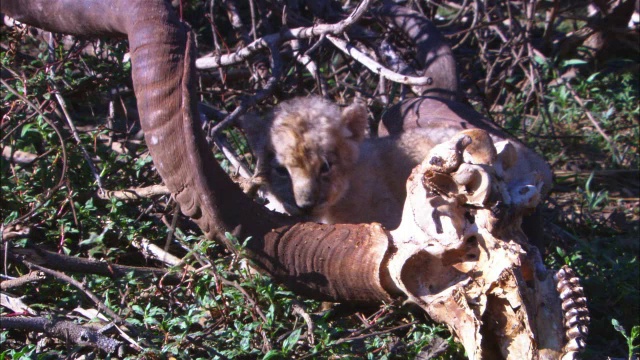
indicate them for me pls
(433, 53)
(163, 91)
(162, 56)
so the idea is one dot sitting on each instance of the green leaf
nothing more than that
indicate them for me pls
(593, 77)
(291, 340)
(25, 129)
(272, 354)
(94, 238)
(635, 333)
(246, 242)
(574, 62)
(540, 60)
(137, 309)
(618, 327)
(587, 185)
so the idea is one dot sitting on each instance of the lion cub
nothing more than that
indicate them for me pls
(315, 159)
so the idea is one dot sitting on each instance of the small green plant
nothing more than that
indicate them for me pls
(595, 200)
(631, 338)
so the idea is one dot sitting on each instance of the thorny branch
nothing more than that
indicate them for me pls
(65, 330)
(135, 193)
(375, 66)
(88, 266)
(67, 116)
(63, 173)
(285, 35)
(68, 279)
(276, 68)
(33, 276)
(612, 145)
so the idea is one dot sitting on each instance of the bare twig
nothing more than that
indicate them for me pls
(236, 21)
(606, 137)
(135, 193)
(68, 279)
(172, 227)
(356, 336)
(240, 167)
(151, 250)
(376, 333)
(377, 67)
(65, 330)
(246, 295)
(285, 35)
(33, 276)
(310, 65)
(298, 309)
(72, 127)
(276, 71)
(477, 9)
(89, 266)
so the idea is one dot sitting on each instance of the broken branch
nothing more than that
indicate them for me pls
(375, 66)
(65, 330)
(246, 52)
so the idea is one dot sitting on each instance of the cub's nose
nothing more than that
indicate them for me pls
(306, 206)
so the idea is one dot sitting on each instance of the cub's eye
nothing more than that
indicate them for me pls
(326, 167)
(281, 170)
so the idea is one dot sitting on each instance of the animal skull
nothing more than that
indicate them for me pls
(460, 254)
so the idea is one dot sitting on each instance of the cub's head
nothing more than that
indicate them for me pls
(306, 151)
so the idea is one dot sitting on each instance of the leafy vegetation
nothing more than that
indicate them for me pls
(580, 110)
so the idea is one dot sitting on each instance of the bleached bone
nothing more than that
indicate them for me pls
(461, 256)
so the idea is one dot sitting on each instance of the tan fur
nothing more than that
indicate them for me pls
(314, 158)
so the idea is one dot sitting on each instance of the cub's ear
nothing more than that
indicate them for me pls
(257, 131)
(354, 118)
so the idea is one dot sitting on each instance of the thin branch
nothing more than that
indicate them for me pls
(254, 29)
(265, 42)
(88, 266)
(33, 276)
(172, 227)
(246, 295)
(65, 111)
(68, 279)
(134, 193)
(236, 21)
(276, 72)
(377, 67)
(240, 167)
(298, 309)
(65, 330)
(356, 336)
(606, 137)
(310, 65)
(154, 251)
